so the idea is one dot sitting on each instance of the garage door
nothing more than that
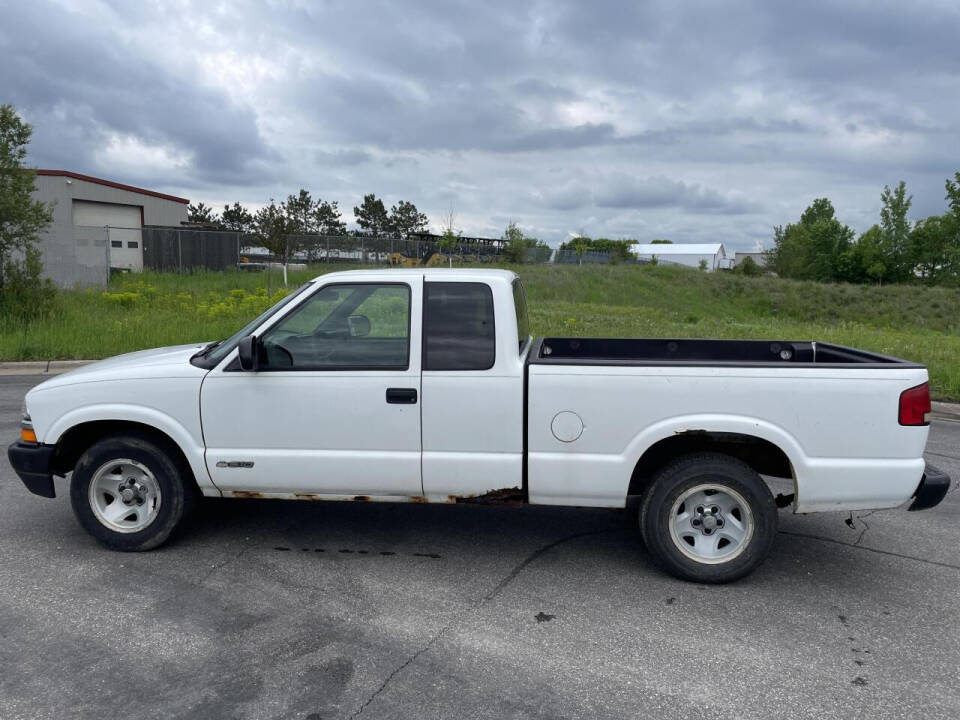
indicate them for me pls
(126, 242)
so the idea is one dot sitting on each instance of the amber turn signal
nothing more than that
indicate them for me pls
(28, 435)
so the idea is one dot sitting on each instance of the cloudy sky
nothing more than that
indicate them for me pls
(695, 121)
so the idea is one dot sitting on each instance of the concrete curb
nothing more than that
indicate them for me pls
(946, 411)
(41, 367)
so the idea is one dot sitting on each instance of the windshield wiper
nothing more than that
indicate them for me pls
(210, 346)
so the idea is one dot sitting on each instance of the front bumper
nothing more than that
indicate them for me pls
(32, 463)
(931, 490)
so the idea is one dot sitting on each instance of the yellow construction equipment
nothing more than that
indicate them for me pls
(431, 259)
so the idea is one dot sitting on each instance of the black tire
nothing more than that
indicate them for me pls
(685, 475)
(177, 492)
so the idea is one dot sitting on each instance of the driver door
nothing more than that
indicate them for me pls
(333, 408)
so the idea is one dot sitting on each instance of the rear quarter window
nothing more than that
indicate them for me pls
(458, 329)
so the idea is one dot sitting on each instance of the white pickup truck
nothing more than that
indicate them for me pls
(426, 386)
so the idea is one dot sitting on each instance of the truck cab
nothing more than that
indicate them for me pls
(380, 385)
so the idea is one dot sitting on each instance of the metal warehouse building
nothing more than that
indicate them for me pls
(691, 254)
(97, 225)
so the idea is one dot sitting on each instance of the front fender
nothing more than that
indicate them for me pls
(192, 447)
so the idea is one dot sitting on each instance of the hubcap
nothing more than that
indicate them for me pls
(711, 524)
(124, 495)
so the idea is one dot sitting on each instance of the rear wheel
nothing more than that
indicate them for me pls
(129, 493)
(708, 518)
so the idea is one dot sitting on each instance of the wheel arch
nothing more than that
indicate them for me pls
(72, 435)
(765, 448)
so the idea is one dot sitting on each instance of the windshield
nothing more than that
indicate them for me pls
(218, 351)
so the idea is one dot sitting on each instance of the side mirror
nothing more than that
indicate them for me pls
(359, 325)
(248, 353)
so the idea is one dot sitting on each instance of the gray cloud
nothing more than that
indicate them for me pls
(83, 79)
(624, 191)
(692, 121)
(342, 158)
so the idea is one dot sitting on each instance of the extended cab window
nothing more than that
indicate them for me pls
(458, 326)
(344, 327)
(523, 319)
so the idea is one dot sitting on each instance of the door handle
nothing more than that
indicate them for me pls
(402, 396)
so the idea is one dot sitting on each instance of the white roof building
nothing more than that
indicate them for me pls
(689, 254)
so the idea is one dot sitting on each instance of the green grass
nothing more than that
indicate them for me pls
(148, 310)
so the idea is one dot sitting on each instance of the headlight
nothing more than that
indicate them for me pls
(26, 426)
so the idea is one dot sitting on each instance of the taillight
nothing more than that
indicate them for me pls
(915, 405)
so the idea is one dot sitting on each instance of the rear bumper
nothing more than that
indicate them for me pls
(931, 490)
(32, 464)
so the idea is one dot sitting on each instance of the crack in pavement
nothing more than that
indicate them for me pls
(866, 526)
(870, 549)
(863, 532)
(500, 587)
(234, 557)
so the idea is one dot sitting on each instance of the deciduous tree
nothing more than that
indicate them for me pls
(514, 244)
(450, 237)
(272, 226)
(896, 231)
(22, 219)
(953, 194)
(934, 248)
(815, 248)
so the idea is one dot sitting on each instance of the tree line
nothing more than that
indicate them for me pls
(301, 221)
(306, 214)
(820, 247)
(297, 223)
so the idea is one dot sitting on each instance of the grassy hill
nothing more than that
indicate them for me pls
(916, 323)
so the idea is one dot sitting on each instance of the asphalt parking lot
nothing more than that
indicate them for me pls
(273, 609)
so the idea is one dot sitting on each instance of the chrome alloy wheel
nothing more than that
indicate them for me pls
(124, 495)
(711, 524)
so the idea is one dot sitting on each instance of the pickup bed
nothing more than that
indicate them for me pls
(426, 386)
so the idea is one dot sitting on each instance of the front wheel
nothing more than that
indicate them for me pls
(708, 518)
(129, 493)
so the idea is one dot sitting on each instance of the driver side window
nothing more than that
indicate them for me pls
(344, 327)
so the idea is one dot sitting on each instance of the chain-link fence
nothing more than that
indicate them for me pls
(78, 256)
(88, 255)
(171, 249)
(589, 257)
(378, 250)
(601, 257)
